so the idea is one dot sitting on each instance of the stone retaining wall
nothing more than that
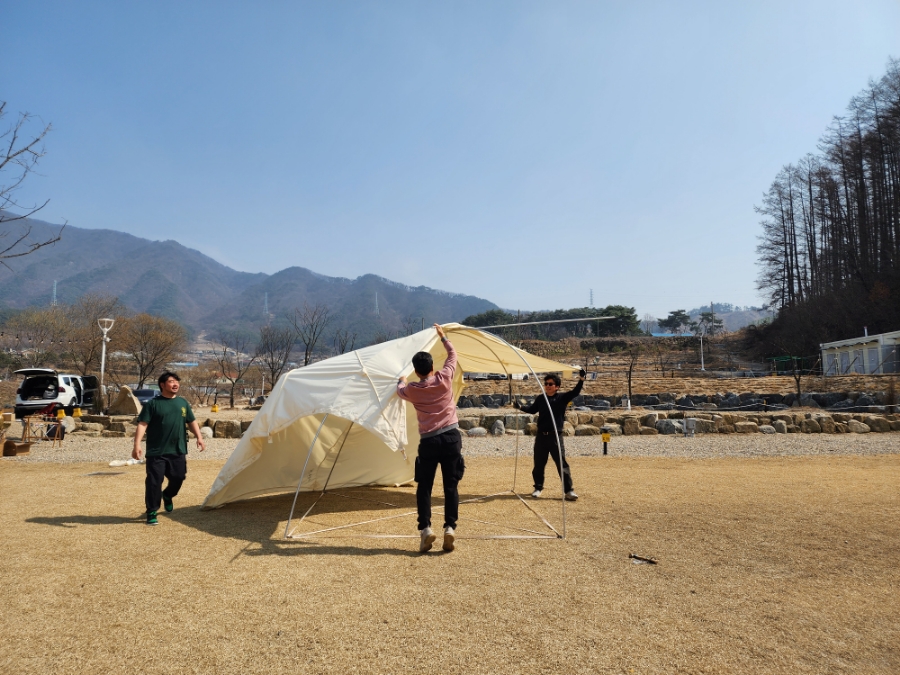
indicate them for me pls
(481, 422)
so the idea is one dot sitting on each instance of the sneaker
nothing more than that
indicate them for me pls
(428, 538)
(168, 504)
(536, 493)
(571, 496)
(151, 518)
(449, 538)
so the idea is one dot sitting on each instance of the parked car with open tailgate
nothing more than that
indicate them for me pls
(45, 389)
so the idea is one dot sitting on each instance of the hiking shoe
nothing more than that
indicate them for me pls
(536, 493)
(168, 504)
(428, 538)
(571, 496)
(449, 538)
(151, 518)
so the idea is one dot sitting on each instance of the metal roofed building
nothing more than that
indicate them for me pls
(866, 355)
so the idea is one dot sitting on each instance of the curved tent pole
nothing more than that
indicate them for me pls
(303, 473)
(552, 419)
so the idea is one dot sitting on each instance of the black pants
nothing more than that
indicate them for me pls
(444, 449)
(544, 446)
(173, 467)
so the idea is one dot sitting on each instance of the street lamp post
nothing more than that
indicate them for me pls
(105, 326)
(702, 368)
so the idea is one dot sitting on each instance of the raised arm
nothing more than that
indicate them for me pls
(569, 395)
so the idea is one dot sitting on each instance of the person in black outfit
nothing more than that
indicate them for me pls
(545, 443)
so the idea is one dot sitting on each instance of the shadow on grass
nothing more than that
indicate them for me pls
(75, 521)
(261, 521)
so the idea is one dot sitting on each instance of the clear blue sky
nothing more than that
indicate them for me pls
(525, 152)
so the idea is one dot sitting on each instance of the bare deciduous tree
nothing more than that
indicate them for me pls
(84, 337)
(633, 353)
(344, 341)
(309, 324)
(152, 341)
(273, 351)
(18, 158)
(38, 332)
(233, 358)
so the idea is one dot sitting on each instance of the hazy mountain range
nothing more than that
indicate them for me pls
(168, 279)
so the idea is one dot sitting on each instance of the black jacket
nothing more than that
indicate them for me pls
(558, 403)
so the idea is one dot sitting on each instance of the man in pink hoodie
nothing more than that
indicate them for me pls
(440, 443)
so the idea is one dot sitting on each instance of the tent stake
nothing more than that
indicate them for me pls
(302, 474)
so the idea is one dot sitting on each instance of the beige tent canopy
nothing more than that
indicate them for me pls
(339, 422)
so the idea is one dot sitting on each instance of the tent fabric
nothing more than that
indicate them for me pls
(369, 435)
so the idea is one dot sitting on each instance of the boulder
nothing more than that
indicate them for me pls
(895, 425)
(707, 406)
(584, 418)
(515, 432)
(517, 421)
(826, 424)
(206, 432)
(498, 428)
(568, 429)
(780, 426)
(668, 427)
(810, 427)
(846, 404)
(649, 431)
(745, 428)
(91, 426)
(784, 417)
(702, 426)
(601, 405)
(631, 426)
(793, 429)
(726, 428)
(807, 401)
(245, 424)
(598, 420)
(117, 426)
(572, 418)
(586, 430)
(112, 434)
(478, 432)
(531, 429)
(126, 403)
(650, 420)
(684, 402)
(488, 420)
(611, 429)
(841, 428)
(651, 400)
(828, 399)
(877, 424)
(865, 401)
(857, 427)
(766, 429)
(466, 423)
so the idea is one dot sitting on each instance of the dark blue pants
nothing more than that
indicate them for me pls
(445, 450)
(173, 467)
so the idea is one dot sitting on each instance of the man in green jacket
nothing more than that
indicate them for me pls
(163, 419)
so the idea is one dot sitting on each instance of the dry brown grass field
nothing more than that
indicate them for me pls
(765, 565)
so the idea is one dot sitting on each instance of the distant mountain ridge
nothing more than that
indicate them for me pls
(169, 279)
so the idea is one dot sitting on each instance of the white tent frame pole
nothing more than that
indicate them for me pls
(552, 419)
(303, 473)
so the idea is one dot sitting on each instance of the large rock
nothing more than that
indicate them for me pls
(705, 426)
(90, 426)
(227, 429)
(746, 428)
(650, 420)
(498, 428)
(586, 430)
(466, 423)
(516, 422)
(826, 423)
(478, 432)
(807, 401)
(631, 426)
(766, 429)
(568, 429)
(126, 403)
(611, 429)
(206, 432)
(780, 426)
(668, 427)
(895, 425)
(649, 431)
(572, 418)
(878, 424)
(531, 429)
(857, 427)
(598, 420)
(810, 427)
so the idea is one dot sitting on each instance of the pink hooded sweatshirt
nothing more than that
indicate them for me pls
(433, 396)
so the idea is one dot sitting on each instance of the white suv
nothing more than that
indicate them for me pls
(45, 389)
